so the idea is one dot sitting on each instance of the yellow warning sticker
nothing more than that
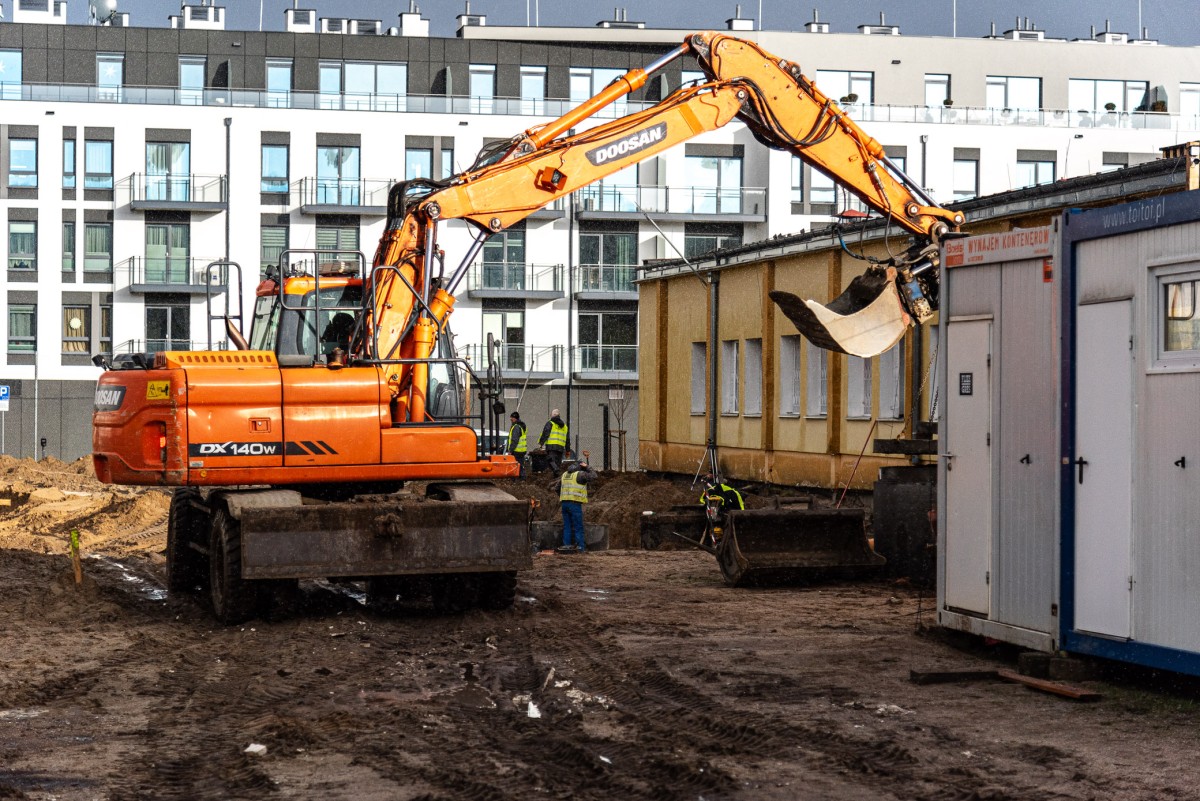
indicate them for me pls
(158, 390)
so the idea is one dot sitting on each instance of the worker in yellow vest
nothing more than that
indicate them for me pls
(517, 443)
(554, 440)
(572, 489)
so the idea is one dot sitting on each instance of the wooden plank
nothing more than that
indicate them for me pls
(1056, 687)
(950, 676)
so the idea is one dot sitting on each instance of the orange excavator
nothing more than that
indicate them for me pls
(290, 450)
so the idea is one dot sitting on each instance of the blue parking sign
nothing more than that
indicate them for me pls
(3, 392)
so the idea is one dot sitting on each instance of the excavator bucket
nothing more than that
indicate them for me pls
(865, 320)
(771, 546)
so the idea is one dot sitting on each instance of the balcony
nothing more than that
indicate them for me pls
(554, 108)
(143, 274)
(199, 193)
(605, 362)
(362, 196)
(671, 203)
(528, 281)
(532, 362)
(604, 282)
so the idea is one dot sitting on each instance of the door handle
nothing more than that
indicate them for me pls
(1080, 462)
(949, 457)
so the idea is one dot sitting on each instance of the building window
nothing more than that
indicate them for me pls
(891, 383)
(966, 179)
(753, 392)
(816, 391)
(587, 81)
(797, 180)
(789, 376)
(168, 171)
(418, 163)
(68, 165)
(1090, 95)
(504, 260)
(1004, 92)
(371, 86)
(76, 329)
(821, 188)
(191, 80)
(699, 378)
(506, 325)
(1033, 169)
(1189, 104)
(937, 89)
(337, 176)
(97, 247)
(10, 74)
(168, 324)
(607, 260)
(68, 247)
(98, 165)
(702, 238)
(337, 243)
(608, 341)
(1178, 323)
(843, 84)
(110, 76)
(482, 88)
(533, 90)
(330, 86)
(274, 241)
(279, 83)
(22, 328)
(168, 253)
(22, 163)
(858, 388)
(106, 328)
(274, 169)
(716, 184)
(22, 245)
(729, 376)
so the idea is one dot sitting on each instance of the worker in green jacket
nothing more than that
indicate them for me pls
(554, 440)
(572, 488)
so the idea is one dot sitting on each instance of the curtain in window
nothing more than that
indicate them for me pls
(97, 248)
(76, 329)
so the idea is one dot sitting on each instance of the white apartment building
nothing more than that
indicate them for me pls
(131, 158)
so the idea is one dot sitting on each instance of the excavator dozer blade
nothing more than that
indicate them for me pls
(865, 320)
(774, 546)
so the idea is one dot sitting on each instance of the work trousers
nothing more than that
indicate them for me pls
(572, 514)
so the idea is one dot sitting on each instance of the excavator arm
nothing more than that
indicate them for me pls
(411, 296)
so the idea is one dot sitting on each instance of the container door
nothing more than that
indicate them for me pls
(968, 451)
(1103, 473)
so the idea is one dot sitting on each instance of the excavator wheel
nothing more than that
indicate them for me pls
(234, 600)
(497, 591)
(186, 530)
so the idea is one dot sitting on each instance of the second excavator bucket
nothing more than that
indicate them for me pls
(768, 546)
(865, 320)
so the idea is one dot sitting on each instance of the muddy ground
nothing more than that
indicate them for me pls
(624, 674)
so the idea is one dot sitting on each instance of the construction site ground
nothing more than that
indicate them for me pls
(621, 674)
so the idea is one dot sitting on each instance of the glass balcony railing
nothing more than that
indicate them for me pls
(672, 199)
(169, 271)
(605, 358)
(145, 188)
(553, 108)
(604, 278)
(156, 344)
(517, 358)
(517, 277)
(361, 192)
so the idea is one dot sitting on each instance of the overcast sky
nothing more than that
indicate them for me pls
(1174, 22)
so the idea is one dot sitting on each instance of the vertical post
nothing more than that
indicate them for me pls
(607, 436)
(36, 437)
(571, 312)
(714, 295)
(228, 195)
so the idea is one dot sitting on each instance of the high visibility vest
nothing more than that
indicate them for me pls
(572, 488)
(722, 491)
(558, 435)
(520, 445)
